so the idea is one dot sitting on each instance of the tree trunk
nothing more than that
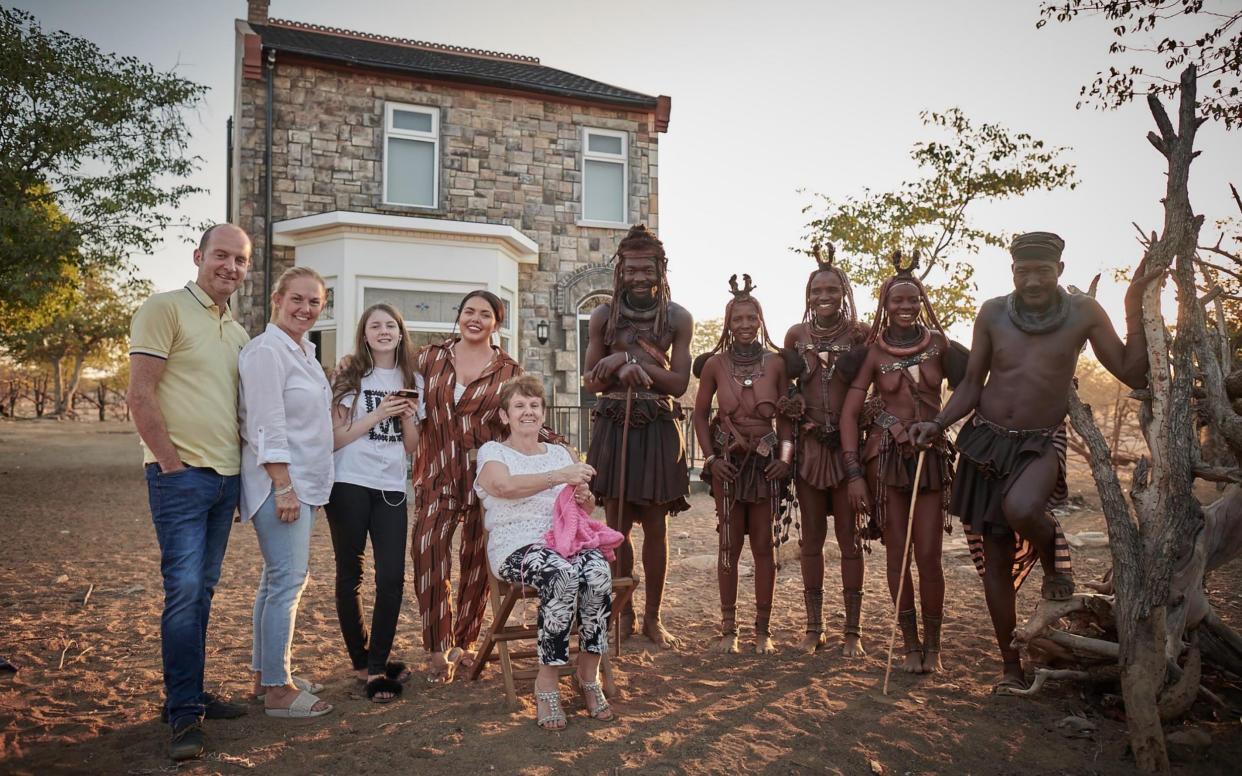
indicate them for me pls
(75, 379)
(58, 387)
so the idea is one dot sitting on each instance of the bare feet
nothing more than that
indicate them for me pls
(727, 645)
(764, 644)
(654, 630)
(853, 646)
(931, 663)
(811, 642)
(912, 663)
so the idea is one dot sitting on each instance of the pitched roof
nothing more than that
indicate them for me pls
(450, 63)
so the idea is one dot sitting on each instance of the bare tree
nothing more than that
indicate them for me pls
(1158, 538)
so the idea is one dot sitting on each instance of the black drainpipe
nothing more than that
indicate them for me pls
(228, 170)
(267, 190)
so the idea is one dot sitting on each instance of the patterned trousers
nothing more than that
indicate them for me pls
(581, 585)
(431, 552)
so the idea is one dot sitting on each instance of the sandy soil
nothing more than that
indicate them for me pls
(75, 515)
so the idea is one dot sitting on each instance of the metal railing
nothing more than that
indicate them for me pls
(574, 423)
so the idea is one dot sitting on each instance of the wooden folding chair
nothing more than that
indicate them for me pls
(504, 596)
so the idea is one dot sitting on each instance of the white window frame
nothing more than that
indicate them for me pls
(432, 137)
(623, 158)
(508, 330)
(330, 287)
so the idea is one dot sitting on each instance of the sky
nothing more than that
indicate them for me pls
(772, 102)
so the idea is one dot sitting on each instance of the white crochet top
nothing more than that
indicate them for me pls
(514, 523)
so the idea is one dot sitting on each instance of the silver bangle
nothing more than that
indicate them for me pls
(282, 491)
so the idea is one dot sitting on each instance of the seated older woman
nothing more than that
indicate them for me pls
(518, 482)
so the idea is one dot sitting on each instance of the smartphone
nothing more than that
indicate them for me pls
(407, 393)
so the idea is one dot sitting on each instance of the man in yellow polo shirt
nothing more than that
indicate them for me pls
(183, 397)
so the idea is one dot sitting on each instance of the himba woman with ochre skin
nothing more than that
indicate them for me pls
(907, 359)
(459, 384)
(640, 345)
(829, 329)
(752, 455)
(374, 431)
(1011, 468)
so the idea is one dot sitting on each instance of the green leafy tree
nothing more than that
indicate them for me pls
(92, 146)
(94, 324)
(965, 165)
(706, 335)
(1207, 35)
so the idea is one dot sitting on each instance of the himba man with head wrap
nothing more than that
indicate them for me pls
(638, 356)
(1026, 346)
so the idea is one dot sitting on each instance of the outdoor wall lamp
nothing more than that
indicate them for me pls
(541, 332)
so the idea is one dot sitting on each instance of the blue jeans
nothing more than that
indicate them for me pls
(192, 510)
(286, 567)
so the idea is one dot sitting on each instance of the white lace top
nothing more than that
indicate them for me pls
(514, 523)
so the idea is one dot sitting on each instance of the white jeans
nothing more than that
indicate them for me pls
(286, 562)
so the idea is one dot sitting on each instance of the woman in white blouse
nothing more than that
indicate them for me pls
(518, 482)
(286, 430)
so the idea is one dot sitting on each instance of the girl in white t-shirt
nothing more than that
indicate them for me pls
(374, 429)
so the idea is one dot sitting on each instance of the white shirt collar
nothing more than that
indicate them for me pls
(305, 346)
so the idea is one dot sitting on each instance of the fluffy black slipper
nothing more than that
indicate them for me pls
(383, 684)
(397, 672)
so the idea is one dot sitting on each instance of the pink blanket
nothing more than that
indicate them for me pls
(573, 530)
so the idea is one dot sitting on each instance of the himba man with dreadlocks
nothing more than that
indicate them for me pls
(1012, 462)
(907, 359)
(752, 455)
(639, 355)
(829, 329)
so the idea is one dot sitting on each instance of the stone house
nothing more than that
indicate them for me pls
(412, 172)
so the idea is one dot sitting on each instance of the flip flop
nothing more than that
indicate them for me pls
(1009, 683)
(301, 708)
(305, 685)
(383, 684)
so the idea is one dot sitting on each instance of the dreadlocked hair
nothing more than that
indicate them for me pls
(905, 274)
(849, 309)
(639, 240)
(740, 296)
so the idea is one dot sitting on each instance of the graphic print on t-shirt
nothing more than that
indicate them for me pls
(388, 429)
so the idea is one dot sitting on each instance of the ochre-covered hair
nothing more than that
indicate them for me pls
(740, 296)
(905, 274)
(640, 241)
(824, 260)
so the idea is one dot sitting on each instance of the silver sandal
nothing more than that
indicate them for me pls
(597, 692)
(555, 712)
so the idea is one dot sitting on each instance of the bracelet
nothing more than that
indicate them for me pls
(787, 451)
(939, 423)
(550, 481)
(631, 359)
(282, 491)
(853, 472)
(707, 462)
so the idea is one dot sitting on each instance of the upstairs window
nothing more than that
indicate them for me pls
(604, 176)
(411, 155)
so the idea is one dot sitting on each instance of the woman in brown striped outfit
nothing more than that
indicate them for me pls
(459, 386)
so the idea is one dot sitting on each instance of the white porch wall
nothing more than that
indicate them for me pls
(354, 251)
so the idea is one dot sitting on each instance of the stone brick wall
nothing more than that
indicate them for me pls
(504, 159)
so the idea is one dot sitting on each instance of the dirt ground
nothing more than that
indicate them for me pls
(74, 515)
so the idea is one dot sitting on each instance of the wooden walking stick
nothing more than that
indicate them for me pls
(625, 443)
(905, 557)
